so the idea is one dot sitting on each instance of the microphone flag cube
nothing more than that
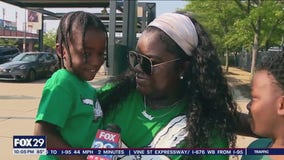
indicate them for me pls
(105, 139)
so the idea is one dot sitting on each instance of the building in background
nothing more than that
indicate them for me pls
(34, 21)
(8, 25)
(26, 39)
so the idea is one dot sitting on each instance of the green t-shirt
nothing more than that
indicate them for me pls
(68, 103)
(259, 143)
(137, 131)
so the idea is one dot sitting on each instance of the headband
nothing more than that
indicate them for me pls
(180, 28)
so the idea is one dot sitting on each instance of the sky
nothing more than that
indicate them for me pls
(162, 6)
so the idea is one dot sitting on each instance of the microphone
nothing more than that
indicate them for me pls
(108, 138)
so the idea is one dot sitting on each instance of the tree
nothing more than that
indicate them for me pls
(49, 40)
(8, 42)
(263, 18)
(217, 17)
(237, 24)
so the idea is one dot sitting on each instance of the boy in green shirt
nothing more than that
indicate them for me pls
(68, 113)
(266, 108)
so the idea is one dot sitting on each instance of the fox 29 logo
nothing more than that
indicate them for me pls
(29, 142)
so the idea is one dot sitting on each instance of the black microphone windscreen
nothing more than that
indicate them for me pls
(113, 128)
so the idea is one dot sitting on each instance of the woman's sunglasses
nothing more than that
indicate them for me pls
(145, 62)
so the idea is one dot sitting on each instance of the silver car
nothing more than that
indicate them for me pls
(29, 66)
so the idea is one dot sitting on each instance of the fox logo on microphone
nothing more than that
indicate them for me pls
(106, 139)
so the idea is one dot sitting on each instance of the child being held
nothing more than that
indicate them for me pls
(68, 114)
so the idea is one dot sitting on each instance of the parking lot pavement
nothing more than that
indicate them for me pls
(18, 107)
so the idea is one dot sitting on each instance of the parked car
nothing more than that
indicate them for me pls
(29, 66)
(8, 53)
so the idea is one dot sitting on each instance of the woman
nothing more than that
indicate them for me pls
(175, 95)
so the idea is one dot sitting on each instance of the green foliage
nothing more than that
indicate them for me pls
(232, 24)
(270, 17)
(8, 42)
(49, 40)
(235, 25)
(217, 17)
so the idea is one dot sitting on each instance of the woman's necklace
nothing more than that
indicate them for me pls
(150, 117)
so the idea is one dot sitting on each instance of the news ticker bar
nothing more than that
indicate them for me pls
(149, 151)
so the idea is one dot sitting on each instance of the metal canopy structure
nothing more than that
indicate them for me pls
(39, 5)
(58, 3)
(122, 17)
